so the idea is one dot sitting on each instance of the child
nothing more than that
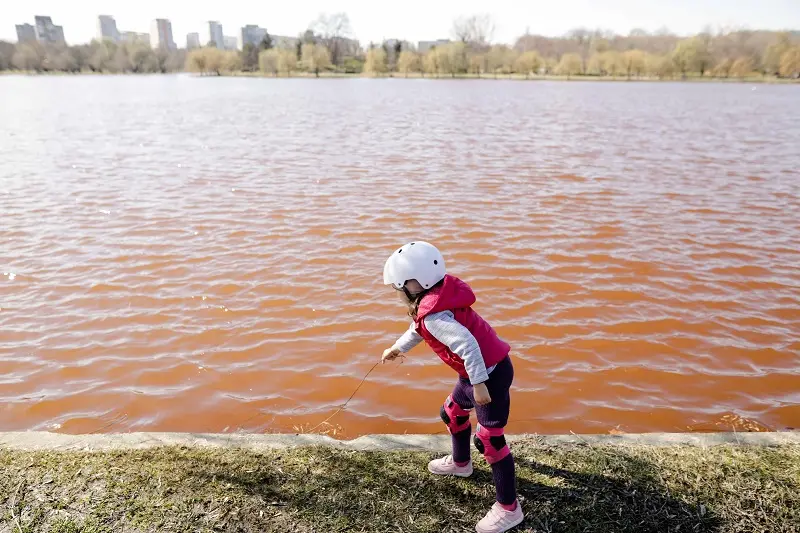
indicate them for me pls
(440, 306)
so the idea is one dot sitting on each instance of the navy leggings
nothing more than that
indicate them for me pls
(493, 415)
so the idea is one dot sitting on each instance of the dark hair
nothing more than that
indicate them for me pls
(413, 304)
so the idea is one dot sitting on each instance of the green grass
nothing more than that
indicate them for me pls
(565, 488)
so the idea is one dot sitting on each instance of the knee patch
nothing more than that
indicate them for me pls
(454, 416)
(491, 442)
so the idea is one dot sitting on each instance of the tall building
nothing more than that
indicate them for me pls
(26, 33)
(192, 40)
(250, 34)
(212, 33)
(161, 34)
(47, 32)
(391, 44)
(281, 41)
(230, 42)
(425, 46)
(107, 28)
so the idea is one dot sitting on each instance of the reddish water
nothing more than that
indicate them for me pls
(205, 255)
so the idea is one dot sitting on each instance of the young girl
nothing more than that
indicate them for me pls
(440, 306)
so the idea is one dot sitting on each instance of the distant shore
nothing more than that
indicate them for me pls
(519, 77)
(418, 76)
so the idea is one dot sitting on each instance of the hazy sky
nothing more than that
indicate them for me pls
(409, 19)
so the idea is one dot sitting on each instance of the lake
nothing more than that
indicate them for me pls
(197, 254)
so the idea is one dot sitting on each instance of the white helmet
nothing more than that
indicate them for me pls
(416, 260)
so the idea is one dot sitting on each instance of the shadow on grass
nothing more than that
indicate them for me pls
(632, 498)
(325, 490)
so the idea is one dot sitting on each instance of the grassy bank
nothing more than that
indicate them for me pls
(566, 488)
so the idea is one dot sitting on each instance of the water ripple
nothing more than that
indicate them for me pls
(157, 273)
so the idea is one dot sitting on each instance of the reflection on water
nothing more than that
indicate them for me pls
(195, 254)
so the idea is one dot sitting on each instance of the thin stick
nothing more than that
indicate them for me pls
(14, 504)
(342, 407)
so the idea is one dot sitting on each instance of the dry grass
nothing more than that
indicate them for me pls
(565, 488)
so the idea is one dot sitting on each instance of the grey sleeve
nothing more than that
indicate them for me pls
(461, 342)
(408, 340)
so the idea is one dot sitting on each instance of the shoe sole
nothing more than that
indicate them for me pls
(456, 474)
(512, 526)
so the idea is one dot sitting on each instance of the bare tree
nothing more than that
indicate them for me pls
(376, 61)
(269, 61)
(29, 56)
(409, 62)
(334, 31)
(475, 29)
(790, 63)
(430, 63)
(315, 58)
(692, 55)
(634, 61)
(500, 59)
(528, 62)
(287, 61)
(570, 65)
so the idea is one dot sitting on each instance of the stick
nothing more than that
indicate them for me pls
(341, 408)
(14, 504)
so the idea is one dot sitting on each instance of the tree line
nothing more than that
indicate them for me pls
(327, 47)
(97, 56)
(309, 55)
(737, 54)
(689, 58)
(306, 57)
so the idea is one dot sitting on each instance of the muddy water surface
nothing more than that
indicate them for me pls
(192, 254)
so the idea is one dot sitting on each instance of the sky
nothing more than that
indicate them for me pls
(412, 20)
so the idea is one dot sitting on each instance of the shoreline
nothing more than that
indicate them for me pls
(47, 441)
(767, 80)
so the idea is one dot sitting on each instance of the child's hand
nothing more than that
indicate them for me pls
(390, 355)
(481, 394)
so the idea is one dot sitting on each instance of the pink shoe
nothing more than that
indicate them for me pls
(447, 467)
(498, 520)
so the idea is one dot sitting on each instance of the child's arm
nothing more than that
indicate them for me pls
(461, 342)
(404, 344)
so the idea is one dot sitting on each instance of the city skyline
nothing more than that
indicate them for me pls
(416, 21)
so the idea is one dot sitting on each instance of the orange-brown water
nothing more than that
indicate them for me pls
(205, 255)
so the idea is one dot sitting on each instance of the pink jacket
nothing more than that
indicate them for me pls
(456, 296)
